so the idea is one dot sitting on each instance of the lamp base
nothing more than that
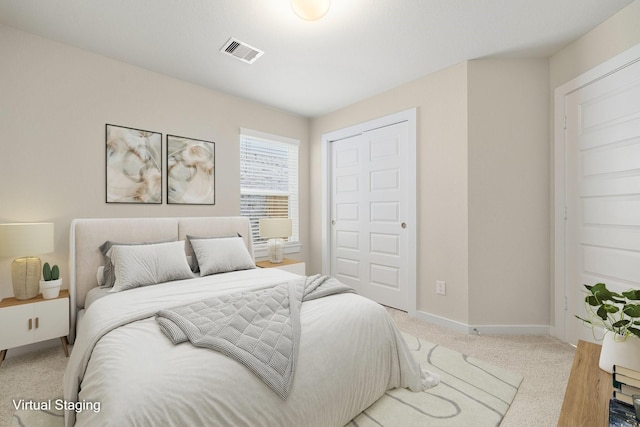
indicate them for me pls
(25, 277)
(275, 250)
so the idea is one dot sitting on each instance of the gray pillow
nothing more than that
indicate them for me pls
(143, 265)
(109, 272)
(221, 255)
(195, 267)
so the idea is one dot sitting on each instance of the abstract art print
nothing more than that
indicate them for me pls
(134, 165)
(190, 171)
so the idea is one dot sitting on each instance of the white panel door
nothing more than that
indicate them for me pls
(603, 190)
(348, 210)
(369, 188)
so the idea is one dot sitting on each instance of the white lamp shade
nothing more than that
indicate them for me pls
(26, 239)
(275, 227)
(310, 10)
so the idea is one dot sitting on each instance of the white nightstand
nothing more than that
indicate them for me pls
(33, 320)
(290, 265)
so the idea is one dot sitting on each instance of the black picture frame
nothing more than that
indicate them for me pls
(190, 171)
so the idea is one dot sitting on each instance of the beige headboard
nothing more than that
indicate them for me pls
(88, 234)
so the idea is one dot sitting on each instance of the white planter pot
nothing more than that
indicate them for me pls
(619, 351)
(50, 289)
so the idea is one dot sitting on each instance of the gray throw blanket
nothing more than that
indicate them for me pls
(260, 328)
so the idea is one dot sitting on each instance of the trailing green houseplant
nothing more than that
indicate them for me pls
(617, 313)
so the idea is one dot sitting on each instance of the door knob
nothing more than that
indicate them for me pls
(333, 222)
(403, 225)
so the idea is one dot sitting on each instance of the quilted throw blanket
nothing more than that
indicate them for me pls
(260, 328)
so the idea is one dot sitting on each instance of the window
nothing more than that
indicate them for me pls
(268, 181)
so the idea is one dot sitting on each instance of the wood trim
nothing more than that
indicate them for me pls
(10, 302)
(589, 389)
(285, 261)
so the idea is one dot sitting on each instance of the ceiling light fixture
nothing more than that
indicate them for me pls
(310, 10)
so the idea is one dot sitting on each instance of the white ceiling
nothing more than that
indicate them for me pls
(360, 48)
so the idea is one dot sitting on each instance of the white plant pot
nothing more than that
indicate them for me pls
(619, 351)
(50, 289)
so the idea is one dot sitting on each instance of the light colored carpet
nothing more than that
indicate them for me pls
(543, 361)
(35, 376)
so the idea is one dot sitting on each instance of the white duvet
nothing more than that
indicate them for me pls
(350, 353)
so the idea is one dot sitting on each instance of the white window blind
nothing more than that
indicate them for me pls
(268, 180)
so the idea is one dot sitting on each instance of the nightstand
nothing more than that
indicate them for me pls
(33, 320)
(290, 265)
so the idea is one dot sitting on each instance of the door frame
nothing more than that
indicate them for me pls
(409, 116)
(560, 292)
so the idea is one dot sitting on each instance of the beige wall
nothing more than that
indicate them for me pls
(508, 192)
(482, 187)
(614, 36)
(55, 101)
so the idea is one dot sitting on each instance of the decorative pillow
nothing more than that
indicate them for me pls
(142, 265)
(194, 260)
(221, 255)
(109, 272)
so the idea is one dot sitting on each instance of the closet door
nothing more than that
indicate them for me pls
(370, 187)
(602, 190)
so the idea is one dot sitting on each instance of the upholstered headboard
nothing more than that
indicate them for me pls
(88, 234)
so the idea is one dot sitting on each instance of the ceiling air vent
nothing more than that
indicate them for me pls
(241, 50)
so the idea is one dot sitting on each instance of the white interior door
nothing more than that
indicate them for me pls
(370, 227)
(602, 190)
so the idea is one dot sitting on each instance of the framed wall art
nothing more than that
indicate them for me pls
(133, 165)
(190, 171)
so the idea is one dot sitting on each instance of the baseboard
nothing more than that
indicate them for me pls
(510, 329)
(442, 321)
(483, 329)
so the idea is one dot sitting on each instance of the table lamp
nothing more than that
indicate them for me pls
(275, 230)
(24, 240)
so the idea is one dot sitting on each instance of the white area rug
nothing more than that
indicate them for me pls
(471, 393)
(51, 418)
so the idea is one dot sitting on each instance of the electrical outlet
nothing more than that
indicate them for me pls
(441, 287)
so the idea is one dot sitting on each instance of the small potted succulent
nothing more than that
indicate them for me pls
(50, 285)
(619, 315)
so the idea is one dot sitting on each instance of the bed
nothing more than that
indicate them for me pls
(152, 354)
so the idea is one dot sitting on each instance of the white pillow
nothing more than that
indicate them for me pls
(100, 276)
(221, 255)
(142, 265)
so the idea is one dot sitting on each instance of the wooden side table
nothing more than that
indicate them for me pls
(586, 400)
(33, 320)
(290, 265)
